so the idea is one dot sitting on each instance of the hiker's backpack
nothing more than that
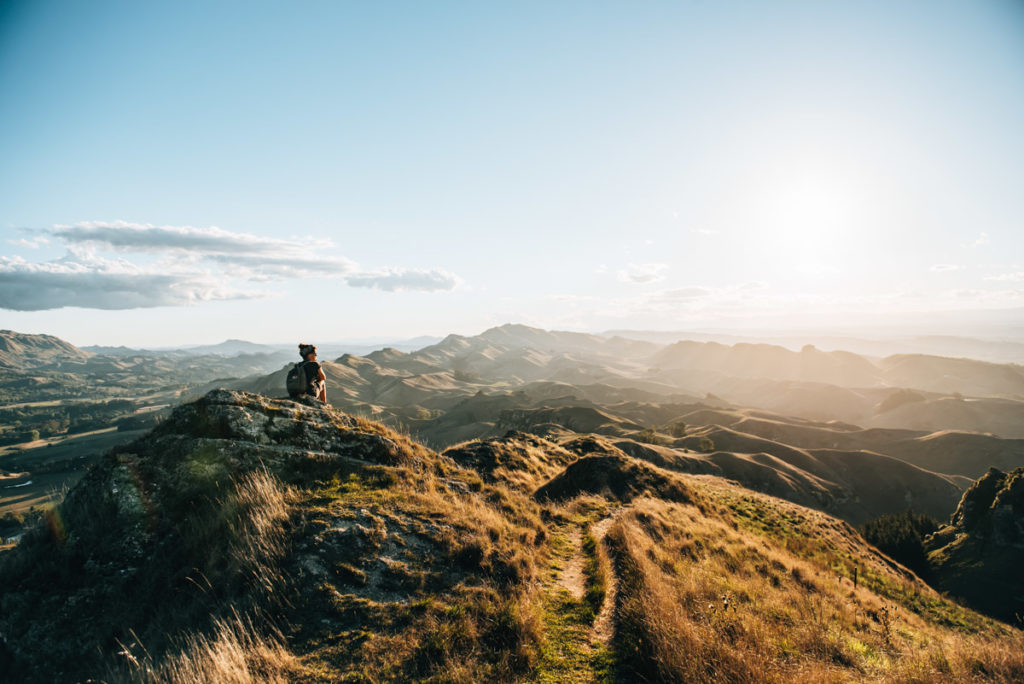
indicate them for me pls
(297, 382)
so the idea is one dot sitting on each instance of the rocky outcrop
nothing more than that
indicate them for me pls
(284, 515)
(979, 555)
(993, 507)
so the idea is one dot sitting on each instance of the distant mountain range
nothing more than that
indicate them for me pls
(995, 350)
(918, 392)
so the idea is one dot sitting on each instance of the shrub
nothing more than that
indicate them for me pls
(676, 428)
(649, 436)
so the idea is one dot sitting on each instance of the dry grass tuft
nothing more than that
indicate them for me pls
(234, 653)
(260, 509)
(477, 634)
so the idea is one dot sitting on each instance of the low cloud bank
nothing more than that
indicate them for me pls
(193, 264)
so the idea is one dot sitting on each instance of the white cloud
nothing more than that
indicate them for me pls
(146, 237)
(939, 268)
(102, 284)
(992, 298)
(683, 294)
(31, 244)
(254, 266)
(981, 240)
(1007, 277)
(397, 279)
(748, 301)
(642, 273)
(192, 264)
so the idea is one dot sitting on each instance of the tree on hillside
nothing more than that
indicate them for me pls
(676, 429)
(901, 536)
(650, 436)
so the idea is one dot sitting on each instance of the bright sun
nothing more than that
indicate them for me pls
(807, 219)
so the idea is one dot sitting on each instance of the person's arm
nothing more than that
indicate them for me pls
(323, 385)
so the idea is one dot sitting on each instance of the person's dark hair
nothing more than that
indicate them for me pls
(306, 349)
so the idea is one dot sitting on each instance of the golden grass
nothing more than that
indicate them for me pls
(234, 653)
(261, 506)
(704, 600)
(476, 634)
(481, 624)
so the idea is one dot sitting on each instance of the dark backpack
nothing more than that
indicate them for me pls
(297, 381)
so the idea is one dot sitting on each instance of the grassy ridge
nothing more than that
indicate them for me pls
(250, 539)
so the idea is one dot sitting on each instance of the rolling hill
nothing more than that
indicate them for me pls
(22, 351)
(255, 539)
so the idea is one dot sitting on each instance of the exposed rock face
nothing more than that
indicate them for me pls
(979, 556)
(994, 507)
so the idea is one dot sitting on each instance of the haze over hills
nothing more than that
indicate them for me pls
(805, 425)
(908, 391)
(240, 347)
(999, 350)
(518, 377)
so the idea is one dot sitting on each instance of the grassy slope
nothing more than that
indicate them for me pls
(399, 564)
(755, 589)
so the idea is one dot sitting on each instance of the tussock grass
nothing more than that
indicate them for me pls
(703, 599)
(234, 652)
(475, 548)
(475, 634)
(261, 508)
(519, 460)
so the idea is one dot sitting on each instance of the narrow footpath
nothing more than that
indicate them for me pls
(578, 630)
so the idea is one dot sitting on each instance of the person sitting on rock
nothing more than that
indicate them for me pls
(307, 378)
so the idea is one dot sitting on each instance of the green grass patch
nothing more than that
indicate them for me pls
(796, 535)
(596, 582)
(567, 653)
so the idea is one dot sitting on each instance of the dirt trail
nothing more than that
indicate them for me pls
(578, 643)
(572, 578)
(604, 624)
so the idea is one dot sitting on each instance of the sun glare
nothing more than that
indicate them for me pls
(806, 219)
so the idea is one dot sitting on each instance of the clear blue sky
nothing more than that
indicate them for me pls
(177, 172)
